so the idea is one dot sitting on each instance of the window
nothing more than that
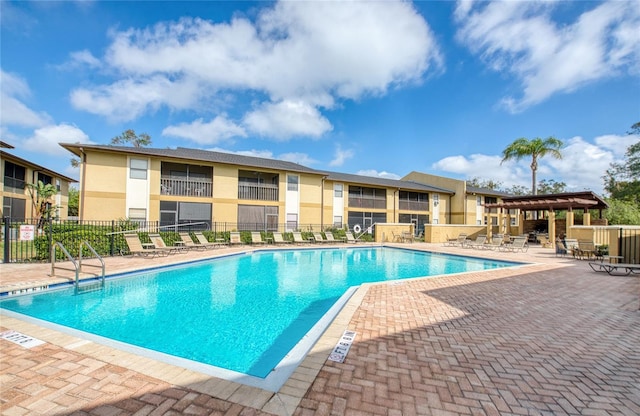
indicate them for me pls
(58, 184)
(257, 218)
(337, 221)
(45, 179)
(137, 214)
(490, 200)
(292, 221)
(337, 192)
(292, 182)
(14, 176)
(13, 208)
(478, 200)
(138, 169)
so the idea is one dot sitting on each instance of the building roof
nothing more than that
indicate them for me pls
(387, 183)
(198, 155)
(486, 191)
(563, 201)
(35, 166)
(254, 162)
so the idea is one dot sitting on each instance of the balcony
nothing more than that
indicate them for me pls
(413, 205)
(14, 185)
(367, 202)
(258, 192)
(186, 187)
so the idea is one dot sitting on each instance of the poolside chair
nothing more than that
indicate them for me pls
(256, 238)
(477, 243)
(586, 249)
(518, 244)
(298, 239)
(136, 248)
(279, 239)
(319, 239)
(331, 238)
(351, 238)
(458, 241)
(188, 242)
(496, 242)
(615, 269)
(561, 249)
(204, 241)
(234, 238)
(159, 243)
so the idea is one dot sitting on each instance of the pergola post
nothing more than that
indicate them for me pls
(551, 226)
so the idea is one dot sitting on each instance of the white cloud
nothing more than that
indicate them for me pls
(298, 57)
(287, 119)
(546, 57)
(582, 165)
(299, 158)
(341, 155)
(215, 131)
(13, 111)
(46, 139)
(83, 58)
(376, 174)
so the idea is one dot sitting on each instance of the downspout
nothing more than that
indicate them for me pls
(322, 203)
(395, 219)
(450, 207)
(83, 162)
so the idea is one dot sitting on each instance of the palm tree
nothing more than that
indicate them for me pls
(41, 195)
(536, 148)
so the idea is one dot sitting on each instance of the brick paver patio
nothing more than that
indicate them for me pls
(550, 338)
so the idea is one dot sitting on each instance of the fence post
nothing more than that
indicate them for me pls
(6, 256)
(112, 239)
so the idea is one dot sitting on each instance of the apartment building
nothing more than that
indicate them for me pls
(15, 174)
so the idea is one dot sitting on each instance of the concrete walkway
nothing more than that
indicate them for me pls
(552, 337)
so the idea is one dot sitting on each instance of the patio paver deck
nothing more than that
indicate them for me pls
(553, 337)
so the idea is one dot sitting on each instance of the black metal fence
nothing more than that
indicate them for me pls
(31, 240)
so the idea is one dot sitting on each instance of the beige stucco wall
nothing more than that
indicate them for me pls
(102, 195)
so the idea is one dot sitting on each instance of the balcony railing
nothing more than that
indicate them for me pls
(258, 192)
(413, 205)
(14, 185)
(186, 187)
(367, 202)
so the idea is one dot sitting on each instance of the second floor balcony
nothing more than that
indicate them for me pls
(413, 205)
(186, 187)
(367, 202)
(258, 192)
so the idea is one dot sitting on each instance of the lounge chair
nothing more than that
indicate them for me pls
(298, 239)
(319, 239)
(234, 238)
(458, 241)
(136, 248)
(331, 238)
(518, 244)
(256, 238)
(159, 243)
(572, 246)
(351, 238)
(477, 243)
(496, 242)
(279, 239)
(189, 243)
(615, 269)
(586, 249)
(205, 242)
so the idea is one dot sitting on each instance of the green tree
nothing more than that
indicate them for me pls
(130, 137)
(484, 183)
(534, 148)
(551, 187)
(41, 195)
(621, 212)
(517, 190)
(74, 202)
(622, 180)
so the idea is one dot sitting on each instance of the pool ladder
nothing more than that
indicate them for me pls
(77, 266)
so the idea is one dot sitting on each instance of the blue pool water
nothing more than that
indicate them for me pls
(243, 313)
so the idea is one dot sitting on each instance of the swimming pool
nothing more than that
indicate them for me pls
(242, 313)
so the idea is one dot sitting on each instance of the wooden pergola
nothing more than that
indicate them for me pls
(568, 201)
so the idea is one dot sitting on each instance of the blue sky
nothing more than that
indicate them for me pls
(378, 88)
